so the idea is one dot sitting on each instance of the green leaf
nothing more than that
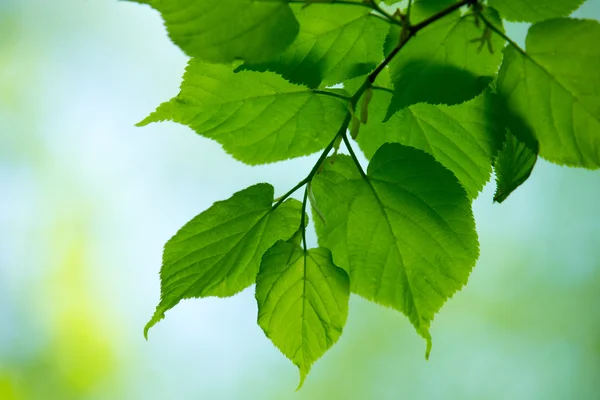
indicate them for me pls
(465, 138)
(423, 9)
(442, 64)
(302, 302)
(226, 30)
(335, 43)
(534, 10)
(256, 117)
(218, 252)
(555, 89)
(405, 232)
(513, 166)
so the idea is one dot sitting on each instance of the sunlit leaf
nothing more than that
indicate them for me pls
(555, 89)
(302, 302)
(464, 138)
(405, 232)
(218, 252)
(257, 117)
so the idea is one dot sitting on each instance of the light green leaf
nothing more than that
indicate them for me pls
(405, 233)
(442, 64)
(335, 43)
(534, 10)
(218, 252)
(226, 30)
(302, 302)
(465, 138)
(513, 166)
(556, 91)
(256, 117)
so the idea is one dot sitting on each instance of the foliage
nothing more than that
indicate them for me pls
(436, 96)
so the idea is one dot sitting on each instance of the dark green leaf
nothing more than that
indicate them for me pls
(257, 117)
(555, 89)
(302, 302)
(513, 166)
(405, 233)
(442, 64)
(227, 30)
(335, 43)
(218, 252)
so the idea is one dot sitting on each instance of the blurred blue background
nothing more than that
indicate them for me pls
(87, 202)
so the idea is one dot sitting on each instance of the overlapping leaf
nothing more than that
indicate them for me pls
(405, 232)
(512, 166)
(555, 89)
(257, 117)
(334, 44)
(423, 9)
(443, 64)
(534, 10)
(226, 30)
(302, 302)
(218, 253)
(464, 138)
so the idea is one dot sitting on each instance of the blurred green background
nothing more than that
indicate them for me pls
(87, 202)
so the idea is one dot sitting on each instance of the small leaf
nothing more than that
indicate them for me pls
(465, 138)
(405, 234)
(302, 302)
(513, 166)
(441, 65)
(222, 31)
(534, 10)
(555, 89)
(257, 117)
(218, 252)
(335, 43)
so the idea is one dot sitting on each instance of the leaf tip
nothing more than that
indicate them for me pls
(158, 315)
(428, 350)
(146, 121)
(302, 379)
(425, 334)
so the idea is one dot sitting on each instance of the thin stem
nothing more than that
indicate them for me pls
(503, 35)
(317, 165)
(332, 94)
(373, 75)
(288, 194)
(383, 89)
(416, 28)
(353, 156)
(383, 18)
(303, 219)
(381, 11)
(408, 11)
(407, 33)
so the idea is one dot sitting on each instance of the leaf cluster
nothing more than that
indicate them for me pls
(435, 95)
